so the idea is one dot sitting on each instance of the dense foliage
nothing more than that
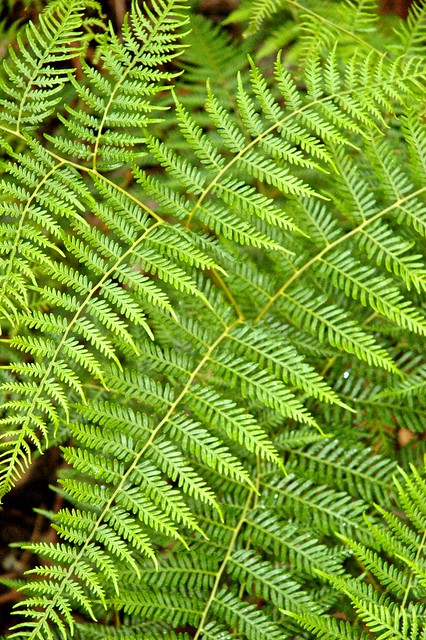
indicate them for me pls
(212, 299)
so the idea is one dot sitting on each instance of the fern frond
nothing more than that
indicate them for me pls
(38, 193)
(319, 505)
(245, 618)
(412, 33)
(327, 321)
(270, 582)
(188, 325)
(34, 78)
(364, 284)
(120, 99)
(402, 575)
(301, 551)
(327, 628)
(356, 471)
(210, 55)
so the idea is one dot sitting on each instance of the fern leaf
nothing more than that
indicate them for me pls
(302, 551)
(121, 99)
(33, 80)
(245, 618)
(329, 628)
(347, 469)
(363, 284)
(188, 296)
(318, 504)
(328, 321)
(269, 582)
(412, 34)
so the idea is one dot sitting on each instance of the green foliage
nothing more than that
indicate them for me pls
(212, 298)
(388, 597)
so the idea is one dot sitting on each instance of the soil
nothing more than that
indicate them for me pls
(19, 522)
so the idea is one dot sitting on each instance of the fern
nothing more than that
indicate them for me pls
(211, 294)
(391, 603)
